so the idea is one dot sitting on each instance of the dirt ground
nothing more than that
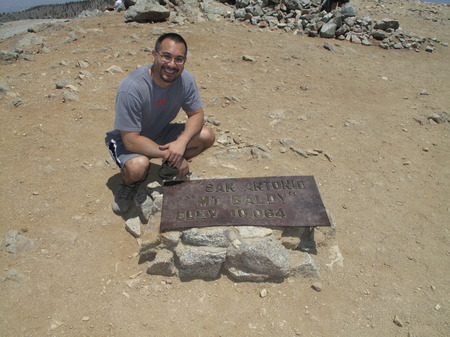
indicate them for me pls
(387, 186)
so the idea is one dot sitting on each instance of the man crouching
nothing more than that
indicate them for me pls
(147, 101)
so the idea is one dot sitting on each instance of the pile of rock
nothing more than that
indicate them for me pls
(243, 253)
(296, 16)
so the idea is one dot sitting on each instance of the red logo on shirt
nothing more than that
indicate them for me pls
(160, 103)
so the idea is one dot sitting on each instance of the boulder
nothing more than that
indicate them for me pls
(386, 24)
(348, 10)
(199, 262)
(328, 30)
(146, 11)
(257, 260)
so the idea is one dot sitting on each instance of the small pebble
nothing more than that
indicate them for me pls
(317, 286)
(329, 157)
(263, 293)
(398, 321)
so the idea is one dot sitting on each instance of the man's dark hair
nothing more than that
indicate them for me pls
(172, 36)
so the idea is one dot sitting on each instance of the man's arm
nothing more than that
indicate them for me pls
(134, 142)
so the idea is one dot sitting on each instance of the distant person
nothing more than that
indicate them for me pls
(113, 8)
(147, 101)
(330, 5)
(117, 3)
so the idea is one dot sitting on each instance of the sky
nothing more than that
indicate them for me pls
(7, 6)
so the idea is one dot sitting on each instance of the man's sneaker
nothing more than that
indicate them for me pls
(167, 172)
(123, 198)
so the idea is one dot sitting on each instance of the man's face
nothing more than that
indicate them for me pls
(166, 62)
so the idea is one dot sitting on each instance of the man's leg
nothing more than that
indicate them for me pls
(135, 170)
(201, 142)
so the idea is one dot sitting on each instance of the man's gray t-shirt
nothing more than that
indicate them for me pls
(143, 106)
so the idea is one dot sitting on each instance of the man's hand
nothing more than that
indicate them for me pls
(174, 151)
(183, 169)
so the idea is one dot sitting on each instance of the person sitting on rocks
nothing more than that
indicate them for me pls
(147, 101)
(330, 5)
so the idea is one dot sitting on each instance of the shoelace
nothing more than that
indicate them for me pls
(126, 191)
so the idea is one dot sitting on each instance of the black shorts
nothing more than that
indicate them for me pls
(121, 155)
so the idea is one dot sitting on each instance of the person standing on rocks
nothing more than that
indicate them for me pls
(330, 5)
(147, 101)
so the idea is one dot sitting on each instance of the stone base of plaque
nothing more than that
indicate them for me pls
(241, 253)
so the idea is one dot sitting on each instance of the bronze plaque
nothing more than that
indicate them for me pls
(265, 201)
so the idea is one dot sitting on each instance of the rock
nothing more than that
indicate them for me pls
(355, 39)
(224, 139)
(386, 24)
(303, 264)
(380, 34)
(17, 102)
(263, 293)
(210, 236)
(62, 84)
(287, 142)
(299, 152)
(3, 90)
(328, 156)
(312, 152)
(145, 204)
(146, 11)
(199, 262)
(348, 10)
(398, 321)
(133, 226)
(170, 239)
(328, 30)
(290, 242)
(366, 42)
(163, 264)
(17, 243)
(248, 232)
(439, 118)
(69, 96)
(85, 74)
(329, 47)
(82, 64)
(213, 121)
(149, 242)
(257, 259)
(8, 56)
(154, 187)
(317, 286)
(248, 58)
(114, 70)
(245, 276)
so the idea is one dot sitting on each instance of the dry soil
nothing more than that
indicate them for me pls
(387, 185)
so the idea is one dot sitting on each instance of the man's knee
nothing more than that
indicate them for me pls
(208, 137)
(135, 169)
